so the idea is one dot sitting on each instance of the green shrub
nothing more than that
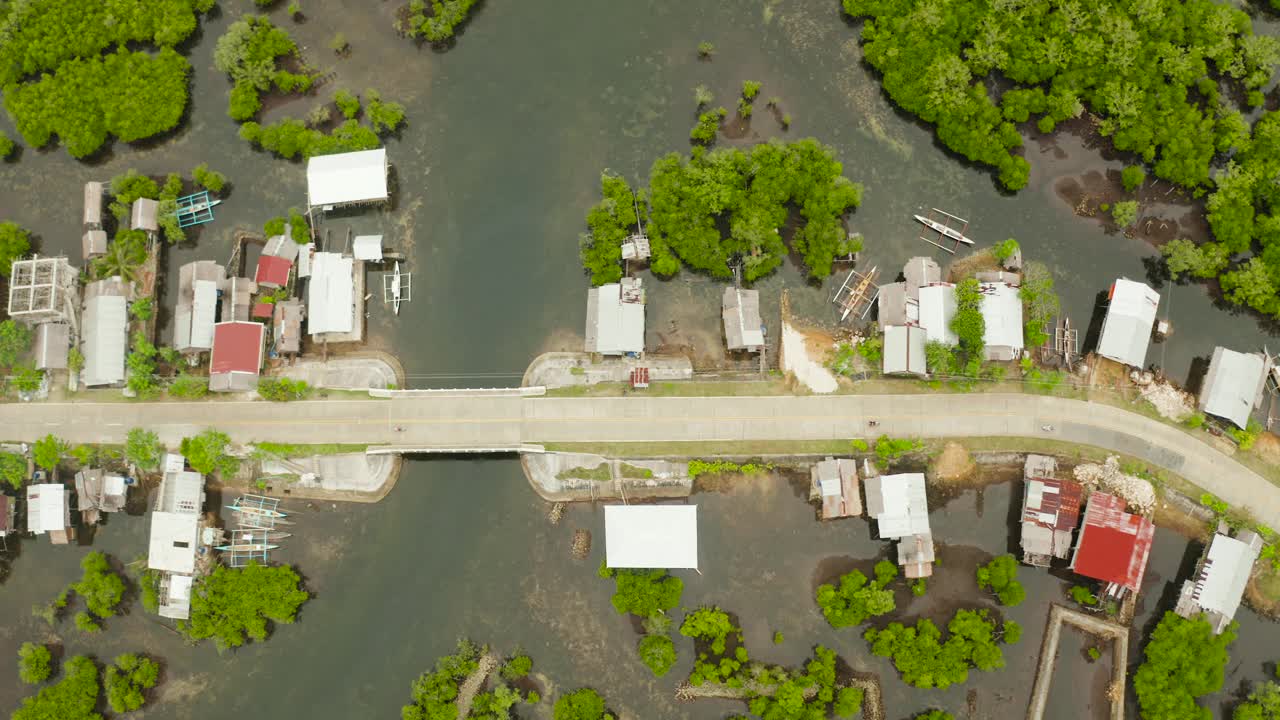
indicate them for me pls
(1000, 576)
(1125, 213)
(279, 389)
(855, 600)
(1132, 176)
(1005, 250)
(127, 679)
(658, 653)
(34, 663)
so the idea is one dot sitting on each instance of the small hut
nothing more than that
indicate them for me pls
(1126, 328)
(145, 215)
(904, 350)
(49, 511)
(1002, 312)
(52, 346)
(1233, 386)
(615, 318)
(99, 492)
(743, 329)
(835, 482)
(105, 333)
(899, 505)
(1220, 578)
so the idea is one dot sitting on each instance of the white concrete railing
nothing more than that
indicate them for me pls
(460, 392)
(415, 450)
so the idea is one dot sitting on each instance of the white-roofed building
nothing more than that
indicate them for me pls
(937, 308)
(1220, 579)
(367, 247)
(53, 343)
(1126, 329)
(105, 332)
(903, 352)
(197, 308)
(145, 215)
(93, 194)
(1002, 314)
(93, 243)
(49, 511)
(330, 294)
(900, 508)
(1232, 387)
(347, 178)
(176, 526)
(743, 329)
(615, 318)
(99, 492)
(651, 536)
(898, 504)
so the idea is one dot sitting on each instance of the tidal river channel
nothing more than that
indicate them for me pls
(507, 135)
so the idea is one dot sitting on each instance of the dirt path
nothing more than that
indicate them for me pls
(469, 687)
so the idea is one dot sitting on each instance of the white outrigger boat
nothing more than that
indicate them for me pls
(246, 547)
(395, 289)
(943, 230)
(259, 511)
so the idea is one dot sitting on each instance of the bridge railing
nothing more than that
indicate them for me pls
(460, 392)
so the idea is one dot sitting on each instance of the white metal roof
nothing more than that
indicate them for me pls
(1233, 385)
(367, 247)
(173, 463)
(304, 260)
(113, 485)
(181, 492)
(651, 536)
(47, 508)
(899, 504)
(106, 322)
(1226, 572)
(1126, 329)
(613, 327)
(281, 246)
(203, 312)
(347, 177)
(173, 542)
(329, 294)
(904, 350)
(1002, 313)
(937, 310)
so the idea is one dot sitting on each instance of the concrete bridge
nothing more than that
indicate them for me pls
(517, 421)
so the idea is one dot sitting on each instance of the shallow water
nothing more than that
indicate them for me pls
(507, 135)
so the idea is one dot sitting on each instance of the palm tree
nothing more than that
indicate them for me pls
(125, 256)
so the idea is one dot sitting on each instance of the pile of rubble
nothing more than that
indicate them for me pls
(1169, 401)
(1139, 493)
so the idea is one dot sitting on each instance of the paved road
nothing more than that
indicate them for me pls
(455, 422)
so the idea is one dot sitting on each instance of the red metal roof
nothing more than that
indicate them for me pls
(1057, 510)
(237, 347)
(272, 270)
(263, 310)
(1114, 545)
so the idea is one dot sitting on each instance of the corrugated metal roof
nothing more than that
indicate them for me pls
(48, 509)
(347, 177)
(1224, 573)
(1054, 504)
(651, 536)
(613, 327)
(892, 305)
(330, 306)
(146, 214)
(1002, 313)
(93, 192)
(281, 246)
(740, 310)
(106, 323)
(181, 491)
(272, 271)
(94, 243)
(1126, 329)
(1113, 545)
(174, 540)
(53, 342)
(1233, 385)
(919, 272)
(367, 247)
(937, 310)
(898, 503)
(904, 350)
(237, 348)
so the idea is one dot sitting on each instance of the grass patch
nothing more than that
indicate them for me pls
(701, 449)
(599, 473)
(302, 450)
(688, 388)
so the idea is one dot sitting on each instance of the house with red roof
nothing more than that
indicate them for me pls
(275, 262)
(236, 360)
(1114, 545)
